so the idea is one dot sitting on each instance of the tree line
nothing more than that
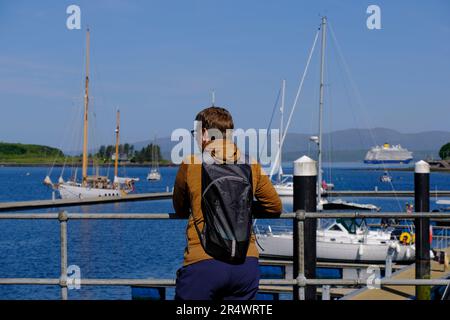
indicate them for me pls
(444, 153)
(146, 154)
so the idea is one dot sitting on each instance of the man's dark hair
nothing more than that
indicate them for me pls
(216, 118)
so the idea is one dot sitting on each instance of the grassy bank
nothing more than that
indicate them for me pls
(17, 154)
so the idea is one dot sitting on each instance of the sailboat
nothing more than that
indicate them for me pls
(342, 240)
(92, 186)
(283, 184)
(120, 180)
(154, 174)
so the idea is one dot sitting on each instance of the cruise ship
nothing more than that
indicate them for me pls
(388, 154)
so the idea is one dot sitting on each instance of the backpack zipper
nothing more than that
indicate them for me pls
(223, 178)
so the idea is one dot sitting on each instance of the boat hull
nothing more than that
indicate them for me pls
(154, 177)
(282, 247)
(406, 161)
(67, 191)
(284, 191)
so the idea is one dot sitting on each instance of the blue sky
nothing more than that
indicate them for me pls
(158, 61)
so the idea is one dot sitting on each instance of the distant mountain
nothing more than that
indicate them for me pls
(346, 145)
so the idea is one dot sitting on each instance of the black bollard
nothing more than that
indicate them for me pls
(422, 226)
(305, 198)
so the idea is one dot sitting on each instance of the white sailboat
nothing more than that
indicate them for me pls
(154, 174)
(338, 242)
(92, 186)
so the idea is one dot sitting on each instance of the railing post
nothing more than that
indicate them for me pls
(62, 217)
(422, 226)
(304, 264)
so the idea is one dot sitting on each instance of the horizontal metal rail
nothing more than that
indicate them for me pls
(172, 282)
(300, 215)
(355, 215)
(382, 194)
(64, 281)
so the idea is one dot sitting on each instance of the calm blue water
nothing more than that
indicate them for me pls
(128, 249)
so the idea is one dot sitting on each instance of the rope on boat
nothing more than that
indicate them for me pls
(300, 87)
(359, 101)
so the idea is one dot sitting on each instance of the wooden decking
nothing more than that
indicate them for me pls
(438, 271)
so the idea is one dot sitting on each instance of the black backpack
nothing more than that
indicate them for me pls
(227, 197)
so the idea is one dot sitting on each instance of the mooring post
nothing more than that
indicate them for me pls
(422, 226)
(305, 199)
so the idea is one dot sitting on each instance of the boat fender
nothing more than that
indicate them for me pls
(405, 238)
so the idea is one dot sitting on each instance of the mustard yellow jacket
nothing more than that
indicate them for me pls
(187, 195)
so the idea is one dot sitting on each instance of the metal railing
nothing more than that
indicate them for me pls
(441, 237)
(305, 202)
(64, 217)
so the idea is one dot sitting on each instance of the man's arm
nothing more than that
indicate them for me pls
(180, 197)
(268, 201)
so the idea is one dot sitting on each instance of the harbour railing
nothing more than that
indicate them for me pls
(441, 237)
(304, 216)
(300, 281)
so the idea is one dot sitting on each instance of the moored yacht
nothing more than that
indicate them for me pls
(92, 186)
(340, 241)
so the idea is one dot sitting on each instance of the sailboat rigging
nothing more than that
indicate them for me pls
(284, 187)
(92, 186)
(342, 240)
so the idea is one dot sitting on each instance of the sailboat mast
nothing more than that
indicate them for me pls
(155, 162)
(116, 159)
(283, 89)
(86, 109)
(322, 63)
